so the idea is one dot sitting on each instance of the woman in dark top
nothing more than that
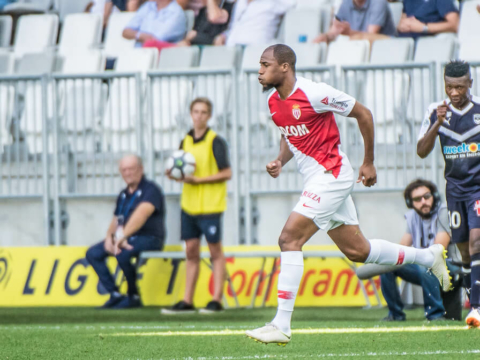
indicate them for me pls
(211, 20)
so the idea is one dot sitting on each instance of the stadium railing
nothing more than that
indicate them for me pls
(205, 257)
(86, 122)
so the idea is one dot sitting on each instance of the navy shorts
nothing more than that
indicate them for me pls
(193, 227)
(464, 216)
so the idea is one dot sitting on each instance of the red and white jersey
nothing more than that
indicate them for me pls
(306, 120)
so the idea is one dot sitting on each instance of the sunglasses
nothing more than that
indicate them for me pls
(424, 196)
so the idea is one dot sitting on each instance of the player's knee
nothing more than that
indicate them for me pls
(474, 245)
(357, 254)
(193, 254)
(288, 242)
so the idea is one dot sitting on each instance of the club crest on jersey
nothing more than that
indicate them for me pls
(476, 119)
(296, 111)
(477, 207)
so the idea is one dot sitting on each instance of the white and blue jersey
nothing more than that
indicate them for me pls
(460, 140)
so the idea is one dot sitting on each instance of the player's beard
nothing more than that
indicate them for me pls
(267, 87)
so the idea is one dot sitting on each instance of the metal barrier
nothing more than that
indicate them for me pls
(25, 148)
(398, 96)
(62, 135)
(169, 96)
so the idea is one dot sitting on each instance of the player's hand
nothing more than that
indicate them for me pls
(367, 175)
(190, 179)
(109, 244)
(274, 168)
(442, 112)
(123, 244)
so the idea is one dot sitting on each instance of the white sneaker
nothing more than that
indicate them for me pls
(439, 267)
(269, 334)
(473, 319)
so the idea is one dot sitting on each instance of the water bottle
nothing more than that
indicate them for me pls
(302, 38)
(120, 224)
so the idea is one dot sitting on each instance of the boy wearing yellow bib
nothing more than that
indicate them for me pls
(203, 201)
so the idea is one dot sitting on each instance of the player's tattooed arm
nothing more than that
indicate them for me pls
(275, 167)
(426, 143)
(367, 173)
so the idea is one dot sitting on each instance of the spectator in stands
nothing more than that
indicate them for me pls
(107, 7)
(160, 21)
(254, 22)
(203, 201)
(424, 18)
(211, 20)
(427, 224)
(194, 5)
(137, 225)
(361, 19)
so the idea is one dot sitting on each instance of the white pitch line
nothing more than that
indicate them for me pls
(330, 355)
(227, 332)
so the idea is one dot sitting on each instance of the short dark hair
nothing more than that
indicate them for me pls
(457, 68)
(202, 100)
(284, 54)
(407, 194)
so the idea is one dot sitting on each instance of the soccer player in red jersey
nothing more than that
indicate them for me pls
(304, 113)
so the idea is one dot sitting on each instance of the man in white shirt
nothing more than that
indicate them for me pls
(254, 22)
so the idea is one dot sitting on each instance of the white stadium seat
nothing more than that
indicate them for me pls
(179, 57)
(80, 101)
(348, 52)
(218, 57)
(67, 7)
(392, 51)
(435, 48)
(80, 32)
(190, 15)
(115, 43)
(122, 114)
(469, 22)
(5, 30)
(302, 25)
(309, 55)
(35, 33)
(469, 50)
(251, 56)
(396, 8)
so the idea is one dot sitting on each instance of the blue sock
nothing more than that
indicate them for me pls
(475, 279)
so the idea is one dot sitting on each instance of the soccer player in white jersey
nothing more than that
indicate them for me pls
(303, 111)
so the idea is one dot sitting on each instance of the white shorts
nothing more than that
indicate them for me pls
(327, 200)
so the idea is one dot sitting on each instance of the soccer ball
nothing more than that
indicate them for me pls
(181, 164)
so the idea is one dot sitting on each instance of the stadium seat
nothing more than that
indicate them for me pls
(29, 5)
(353, 52)
(7, 63)
(5, 30)
(396, 8)
(392, 51)
(122, 115)
(251, 56)
(218, 57)
(190, 15)
(35, 33)
(115, 43)
(469, 22)
(67, 7)
(435, 48)
(302, 25)
(309, 55)
(179, 57)
(469, 50)
(79, 33)
(80, 101)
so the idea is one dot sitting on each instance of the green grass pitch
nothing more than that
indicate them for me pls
(86, 333)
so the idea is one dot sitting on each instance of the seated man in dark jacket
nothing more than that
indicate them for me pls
(138, 225)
